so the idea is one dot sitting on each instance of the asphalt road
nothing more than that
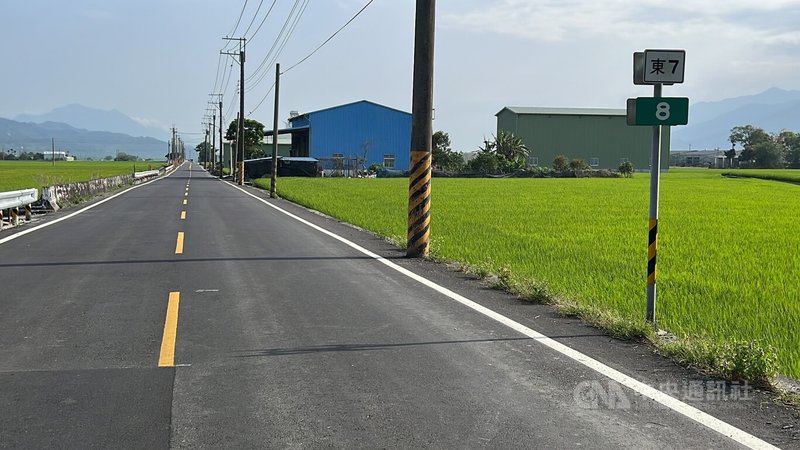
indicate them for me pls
(252, 329)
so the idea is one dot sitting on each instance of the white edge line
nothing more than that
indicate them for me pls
(68, 216)
(703, 418)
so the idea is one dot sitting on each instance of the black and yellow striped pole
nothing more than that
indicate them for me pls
(419, 185)
(652, 234)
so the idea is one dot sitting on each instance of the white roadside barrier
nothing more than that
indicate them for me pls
(12, 201)
(145, 174)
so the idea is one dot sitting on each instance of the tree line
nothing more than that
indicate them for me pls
(503, 153)
(12, 155)
(760, 149)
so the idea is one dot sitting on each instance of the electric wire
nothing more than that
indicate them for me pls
(331, 37)
(313, 52)
(262, 20)
(262, 99)
(216, 77)
(281, 46)
(274, 44)
(236, 27)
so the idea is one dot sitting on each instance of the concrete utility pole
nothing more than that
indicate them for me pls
(205, 145)
(174, 152)
(419, 186)
(273, 184)
(240, 137)
(241, 116)
(213, 139)
(221, 144)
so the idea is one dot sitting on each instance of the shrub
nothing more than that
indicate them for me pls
(560, 163)
(626, 169)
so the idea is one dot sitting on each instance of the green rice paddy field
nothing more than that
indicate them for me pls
(16, 175)
(728, 263)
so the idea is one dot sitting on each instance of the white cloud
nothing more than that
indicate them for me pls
(150, 123)
(556, 20)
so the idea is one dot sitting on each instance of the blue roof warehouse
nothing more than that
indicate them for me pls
(362, 131)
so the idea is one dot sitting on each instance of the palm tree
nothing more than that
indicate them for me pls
(511, 147)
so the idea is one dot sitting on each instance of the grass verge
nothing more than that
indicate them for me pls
(726, 264)
(787, 175)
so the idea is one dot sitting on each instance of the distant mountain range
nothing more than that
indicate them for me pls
(93, 119)
(33, 137)
(710, 123)
(93, 132)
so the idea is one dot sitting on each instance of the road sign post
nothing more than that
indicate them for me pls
(652, 223)
(657, 68)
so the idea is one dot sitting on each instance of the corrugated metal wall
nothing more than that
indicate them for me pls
(361, 127)
(607, 138)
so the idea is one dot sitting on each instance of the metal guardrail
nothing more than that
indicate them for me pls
(10, 203)
(15, 199)
(145, 174)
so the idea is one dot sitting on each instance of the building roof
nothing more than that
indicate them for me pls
(564, 111)
(347, 104)
(292, 130)
(285, 158)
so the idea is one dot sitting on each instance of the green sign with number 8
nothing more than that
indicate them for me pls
(658, 111)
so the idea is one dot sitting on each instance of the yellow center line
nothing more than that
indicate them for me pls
(183, 215)
(185, 201)
(167, 356)
(179, 244)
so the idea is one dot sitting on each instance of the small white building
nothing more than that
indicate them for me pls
(57, 155)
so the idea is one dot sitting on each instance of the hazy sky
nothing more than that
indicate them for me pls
(157, 60)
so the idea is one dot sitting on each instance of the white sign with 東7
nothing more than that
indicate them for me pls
(664, 66)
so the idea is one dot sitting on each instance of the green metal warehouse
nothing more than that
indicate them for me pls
(601, 137)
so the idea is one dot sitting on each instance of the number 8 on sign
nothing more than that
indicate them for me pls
(662, 111)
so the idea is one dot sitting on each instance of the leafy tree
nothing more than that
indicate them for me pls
(626, 169)
(108, 158)
(748, 136)
(253, 136)
(791, 142)
(485, 162)
(768, 154)
(443, 157)
(560, 163)
(502, 154)
(203, 150)
(578, 164)
(730, 154)
(759, 147)
(122, 156)
(511, 149)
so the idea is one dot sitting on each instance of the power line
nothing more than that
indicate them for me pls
(216, 77)
(280, 47)
(263, 98)
(331, 37)
(274, 44)
(236, 27)
(255, 16)
(262, 20)
(312, 53)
